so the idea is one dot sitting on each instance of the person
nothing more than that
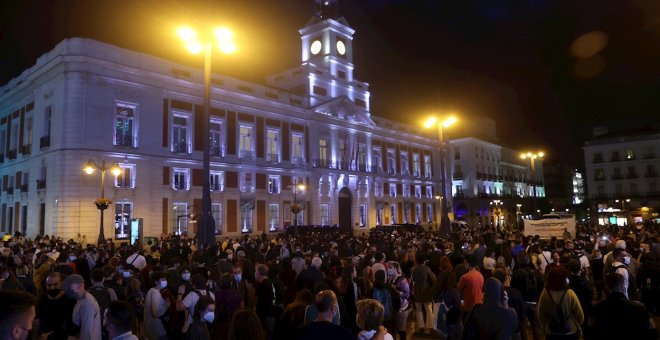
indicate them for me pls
(528, 280)
(102, 294)
(423, 280)
(388, 297)
(492, 319)
(228, 301)
(597, 272)
(86, 312)
(204, 316)
(322, 327)
(245, 325)
(136, 260)
(119, 319)
(17, 313)
(245, 288)
(617, 317)
(369, 318)
(54, 309)
(514, 298)
(265, 293)
(188, 303)
(22, 273)
(400, 283)
(293, 317)
(471, 284)
(449, 303)
(559, 310)
(155, 307)
(620, 263)
(648, 279)
(582, 288)
(310, 276)
(298, 262)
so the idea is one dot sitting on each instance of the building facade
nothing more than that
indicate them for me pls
(306, 137)
(491, 185)
(622, 175)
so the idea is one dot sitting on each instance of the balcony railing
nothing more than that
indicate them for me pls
(181, 147)
(321, 163)
(126, 141)
(619, 176)
(597, 159)
(649, 156)
(125, 183)
(24, 187)
(216, 151)
(247, 155)
(615, 158)
(41, 184)
(216, 187)
(180, 185)
(631, 175)
(44, 142)
(299, 161)
(416, 174)
(11, 154)
(272, 158)
(247, 187)
(649, 174)
(10, 190)
(26, 149)
(458, 175)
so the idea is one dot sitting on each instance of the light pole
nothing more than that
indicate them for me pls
(444, 208)
(295, 207)
(623, 207)
(102, 203)
(532, 160)
(196, 43)
(518, 217)
(497, 211)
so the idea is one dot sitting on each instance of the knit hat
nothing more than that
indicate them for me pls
(492, 290)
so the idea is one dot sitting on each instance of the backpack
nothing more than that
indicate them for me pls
(102, 296)
(383, 296)
(531, 291)
(558, 322)
(632, 284)
(136, 298)
(443, 310)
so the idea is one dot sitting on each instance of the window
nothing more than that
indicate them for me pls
(418, 213)
(629, 154)
(300, 218)
(125, 125)
(245, 149)
(217, 180)
(376, 160)
(273, 184)
(27, 138)
(297, 150)
(429, 213)
(273, 216)
(406, 190)
(47, 121)
(427, 167)
(378, 189)
(126, 178)
(323, 152)
(379, 214)
(3, 138)
(406, 214)
(633, 188)
(181, 180)
(598, 157)
(615, 156)
(393, 214)
(392, 189)
(457, 153)
(180, 134)
(404, 163)
(246, 218)
(363, 215)
(616, 173)
(13, 138)
(429, 191)
(416, 169)
(247, 182)
(342, 150)
(391, 162)
(180, 218)
(418, 191)
(362, 157)
(216, 212)
(272, 146)
(325, 214)
(599, 174)
(123, 217)
(459, 190)
(631, 172)
(217, 138)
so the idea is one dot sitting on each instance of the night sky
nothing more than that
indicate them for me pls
(519, 62)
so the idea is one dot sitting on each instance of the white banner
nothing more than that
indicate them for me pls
(547, 228)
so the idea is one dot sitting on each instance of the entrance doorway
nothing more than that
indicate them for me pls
(345, 209)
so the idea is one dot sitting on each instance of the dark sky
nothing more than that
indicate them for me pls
(508, 60)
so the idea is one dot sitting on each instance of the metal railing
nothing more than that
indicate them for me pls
(181, 147)
(126, 141)
(44, 142)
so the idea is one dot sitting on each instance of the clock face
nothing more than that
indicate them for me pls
(316, 47)
(341, 47)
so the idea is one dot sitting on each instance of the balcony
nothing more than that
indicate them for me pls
(391, 171)
(459, 195)
(24, 187)
(597, 159)
(297, 161)
(650, 174)
(125, 183)
(216, 187)
(126, 141)
(615, 158)
(457, 175)
(617, 176)
(41, 184)
(10, 191)
(216, 151)
(181, 148)
(601, 178)
(26, 149)
(246, 155)
(631, 175)
(246, 187)
(11, 154)
(44, 142)
(321, 163)
(649, 156)
(180, 186)
(273, 158)
(427, 175)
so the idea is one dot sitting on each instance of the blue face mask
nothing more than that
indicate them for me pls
(238, 277)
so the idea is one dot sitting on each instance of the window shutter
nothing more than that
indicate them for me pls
(197, 177)
(166, 175)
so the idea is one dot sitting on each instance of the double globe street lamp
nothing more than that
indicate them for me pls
(444, 208)
(198, 42)
(102, 203)
(532, 160)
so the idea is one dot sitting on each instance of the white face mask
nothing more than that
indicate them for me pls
(185, 276)
(209, 317)
(626, 260)
(163, 284)
(127, 273)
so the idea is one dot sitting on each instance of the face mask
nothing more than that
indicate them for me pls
(53, 292)
(127, 273)
(626, 260)
(209, 317)
(230, 257)
(568, 281)
(185, 276)
(72, 258)
(391, 272)
(163, 284)
(237, 277)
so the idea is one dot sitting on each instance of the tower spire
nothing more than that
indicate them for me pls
(327, 9)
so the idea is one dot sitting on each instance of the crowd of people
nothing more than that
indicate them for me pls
(602, 283)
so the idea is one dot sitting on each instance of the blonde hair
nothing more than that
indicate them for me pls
(370, 314)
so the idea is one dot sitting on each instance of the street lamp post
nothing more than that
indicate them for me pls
(497, 211)
(532, 160)
(295, 207)
(196, 44)
(623, 207)
(444, 208)
(102, 203)
(518, 217)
